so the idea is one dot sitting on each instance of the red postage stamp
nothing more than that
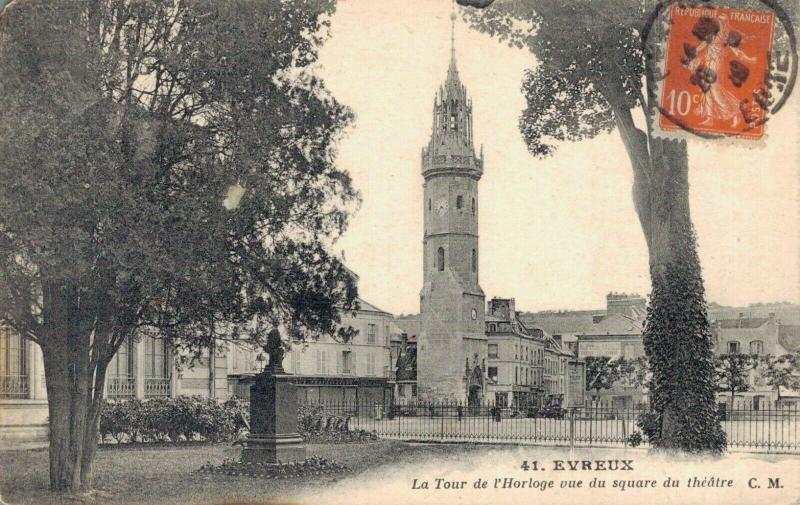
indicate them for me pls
(716, 71)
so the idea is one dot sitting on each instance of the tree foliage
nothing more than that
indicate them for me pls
(782, 371)
(732, 372)
(122, 126)
(602, 372)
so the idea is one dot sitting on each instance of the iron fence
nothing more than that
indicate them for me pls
(599, 424)
(14, 386)
(157, 387)
(121, 387)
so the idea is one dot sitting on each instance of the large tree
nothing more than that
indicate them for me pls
(590, 78)
(123, 124)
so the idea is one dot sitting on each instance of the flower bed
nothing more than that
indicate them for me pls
(314, 466)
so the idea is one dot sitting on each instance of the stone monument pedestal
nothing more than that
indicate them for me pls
(273, 420)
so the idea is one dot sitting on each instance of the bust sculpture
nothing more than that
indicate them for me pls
(274, 349)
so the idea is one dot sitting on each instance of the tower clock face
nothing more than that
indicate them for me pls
(441, 206)
(474, 314)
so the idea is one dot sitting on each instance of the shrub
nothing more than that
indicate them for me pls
(239, 411)
(315, 425)
(635, 439)
(162, 419)
(650, 425)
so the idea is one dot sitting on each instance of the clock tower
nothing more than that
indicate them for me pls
(452, 347)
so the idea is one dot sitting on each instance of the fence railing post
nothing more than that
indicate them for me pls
(572, 428)
(441, 431)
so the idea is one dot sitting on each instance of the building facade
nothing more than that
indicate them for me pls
(141, 369)
(759, 337)
(452, 343)
(327, 370)
(515, 357)
(526, 367)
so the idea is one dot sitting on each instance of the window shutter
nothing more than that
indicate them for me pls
(324, 368)
(339, 362)
(353, 363)
(319, 361)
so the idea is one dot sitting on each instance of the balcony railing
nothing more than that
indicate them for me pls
(14, 386)
(155, 387)
(121, 387)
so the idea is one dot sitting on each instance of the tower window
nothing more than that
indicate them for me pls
(473, 206)
(459, 202)
(429, 204)
(474, 260)
(440, 259)
(452, 122)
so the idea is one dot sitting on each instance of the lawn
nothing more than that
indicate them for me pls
(382, 473)
(150, 474)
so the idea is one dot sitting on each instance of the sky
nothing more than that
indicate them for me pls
(555, 233)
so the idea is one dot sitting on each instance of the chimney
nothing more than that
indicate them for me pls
(502, 307)
(624, 303)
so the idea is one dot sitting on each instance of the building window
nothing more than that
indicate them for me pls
(756, 347)
(492, 328)
(121, 375)
(121, 365)
(13, 367)
(492, 350)
(347, 362)
(370, 364)
(157, 368)
(401, 389)
(474, 260)
(473, 206)
(492, 372)
(440, 259)
(733, 347)
(372, 330)
(413, 390)
(155, 358)
(459, 202)
(429, 204)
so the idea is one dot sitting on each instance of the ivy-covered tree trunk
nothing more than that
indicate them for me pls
(677, 334)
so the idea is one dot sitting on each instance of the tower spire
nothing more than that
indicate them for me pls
(453, 35)
(453, 32)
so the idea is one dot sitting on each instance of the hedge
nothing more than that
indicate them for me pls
(183, 418)
(195, 418)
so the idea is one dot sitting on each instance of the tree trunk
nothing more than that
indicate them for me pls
(74, 415)
(677, 335)
(74, 389)
(67, 402)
